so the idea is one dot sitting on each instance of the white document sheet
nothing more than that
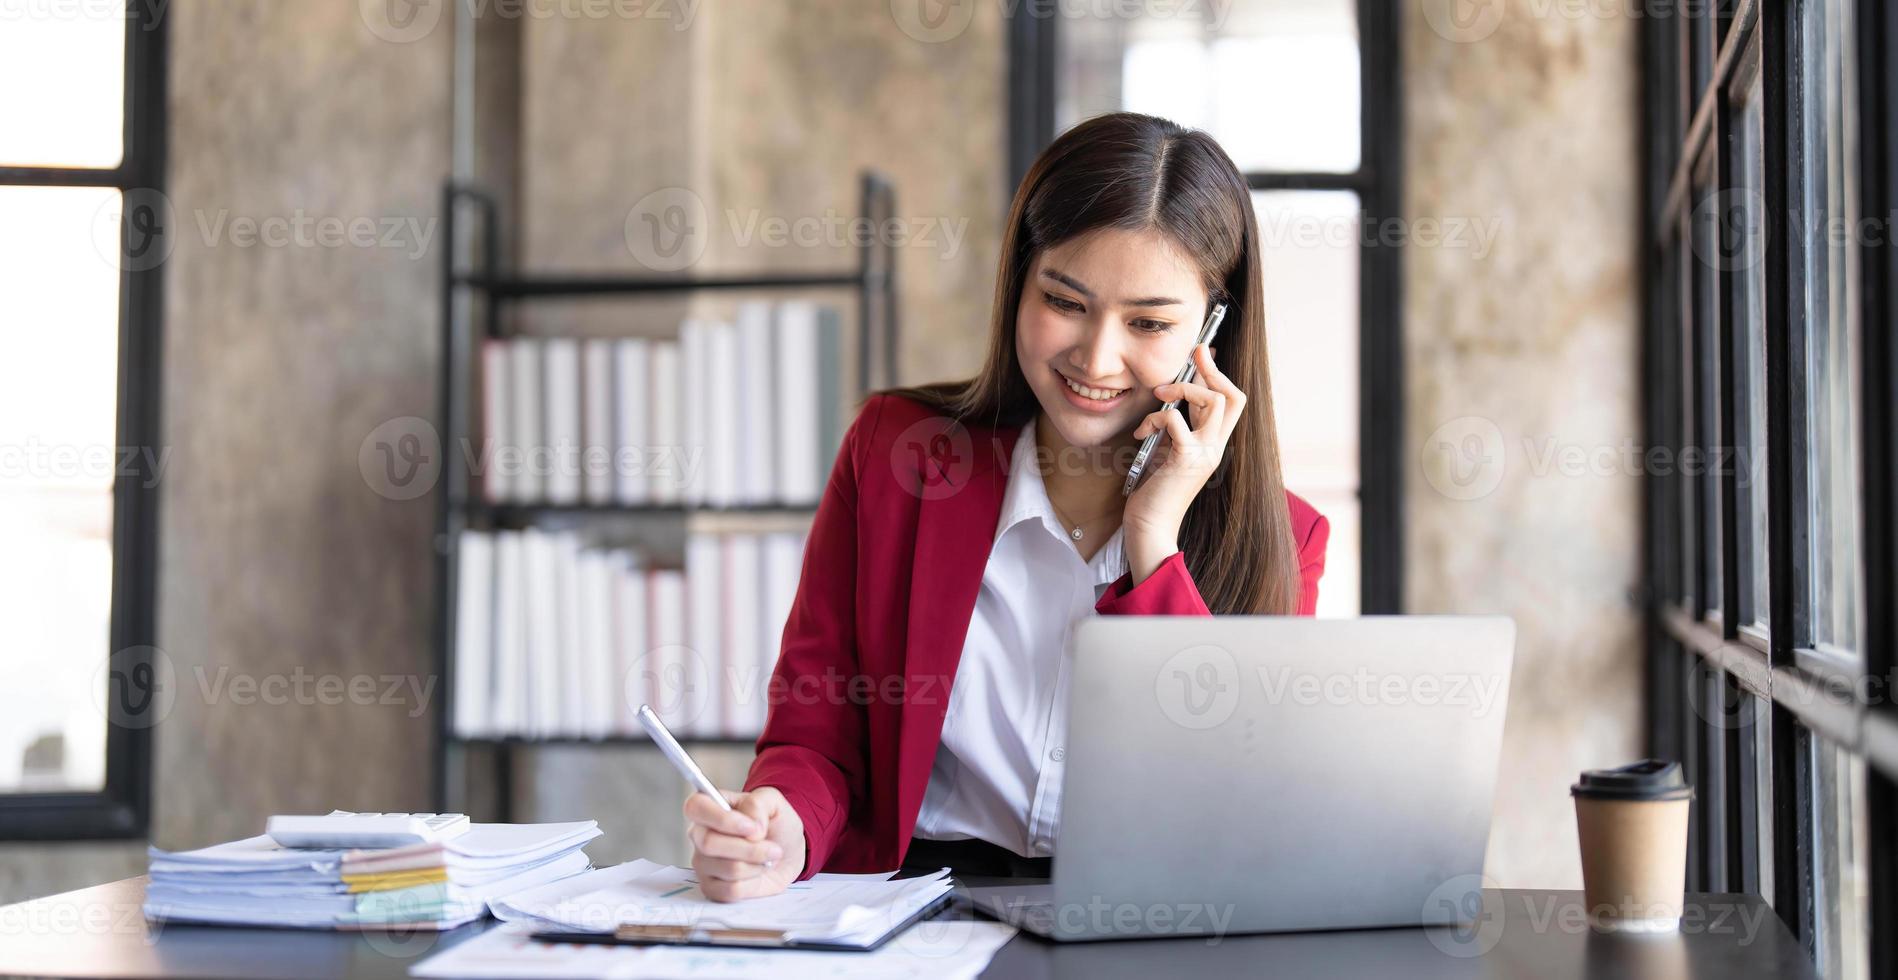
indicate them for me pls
(939, 950)
(831, 908)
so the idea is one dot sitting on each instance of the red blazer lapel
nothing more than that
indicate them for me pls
(955, 527)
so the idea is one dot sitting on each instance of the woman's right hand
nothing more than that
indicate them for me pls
(754, 849)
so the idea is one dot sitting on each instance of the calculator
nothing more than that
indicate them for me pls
(341, 829)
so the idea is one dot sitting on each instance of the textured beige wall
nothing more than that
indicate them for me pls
(1530, 349)
(276, 556)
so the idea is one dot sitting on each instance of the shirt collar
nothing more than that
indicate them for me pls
(1026, 500)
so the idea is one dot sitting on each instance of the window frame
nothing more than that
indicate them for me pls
(122, 807)
(1811, 696)
(1378, 183)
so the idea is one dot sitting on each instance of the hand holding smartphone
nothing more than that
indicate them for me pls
(1187, 374)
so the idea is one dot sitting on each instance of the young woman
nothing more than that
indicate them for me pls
(919, 702)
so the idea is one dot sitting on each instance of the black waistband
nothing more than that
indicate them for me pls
(974, 857)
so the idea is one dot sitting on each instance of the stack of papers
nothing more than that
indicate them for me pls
(830, 909)
(256, 882)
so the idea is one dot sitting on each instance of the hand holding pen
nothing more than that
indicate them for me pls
(744, 845)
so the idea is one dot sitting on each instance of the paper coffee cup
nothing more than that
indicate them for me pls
(1633, 827)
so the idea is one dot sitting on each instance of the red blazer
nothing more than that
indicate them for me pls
(891, 571)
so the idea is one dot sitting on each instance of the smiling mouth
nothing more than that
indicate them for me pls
(1092, 394)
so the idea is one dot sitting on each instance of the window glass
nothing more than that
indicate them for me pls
(1762, 762)
(59, 322)
(1841, 907)
(1827, 117)
(1275, 81)
(1706, 232)
(70, 57)
(1686, 437)
(1309, 243)
(1747, 203)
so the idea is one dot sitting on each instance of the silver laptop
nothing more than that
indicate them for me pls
(1243, 774)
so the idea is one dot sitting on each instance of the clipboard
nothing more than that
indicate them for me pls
(638, 935)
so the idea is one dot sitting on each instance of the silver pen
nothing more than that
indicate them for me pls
(675, 753)
(1188, 373)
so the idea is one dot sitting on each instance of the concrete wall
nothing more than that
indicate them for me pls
(1529, 122)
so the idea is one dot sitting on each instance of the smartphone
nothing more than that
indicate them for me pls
(1187, 373)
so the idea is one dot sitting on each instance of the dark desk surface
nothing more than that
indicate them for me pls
(100, 932)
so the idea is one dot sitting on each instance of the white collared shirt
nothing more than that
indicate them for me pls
(997, 774)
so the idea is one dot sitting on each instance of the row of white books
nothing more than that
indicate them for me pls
(734, 414)
(556, 637)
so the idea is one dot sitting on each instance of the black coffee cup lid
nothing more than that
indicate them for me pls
(1649, 779)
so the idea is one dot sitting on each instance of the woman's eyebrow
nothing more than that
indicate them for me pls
(1075, 284)
(1068, 281)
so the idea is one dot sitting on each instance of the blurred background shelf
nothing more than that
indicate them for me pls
(471, 303)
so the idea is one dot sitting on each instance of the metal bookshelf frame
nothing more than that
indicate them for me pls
(471, 303)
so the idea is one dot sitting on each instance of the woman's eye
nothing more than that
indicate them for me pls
(1152, 326)
(1062, 304)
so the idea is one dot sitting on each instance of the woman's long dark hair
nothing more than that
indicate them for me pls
(1136, 172)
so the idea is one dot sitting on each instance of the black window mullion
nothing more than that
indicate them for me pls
(1693, 741)
(1380, 311)
(1715, 811)
(1743, 855)
(1877, 39)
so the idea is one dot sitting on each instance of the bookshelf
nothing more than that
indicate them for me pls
(473, 300)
